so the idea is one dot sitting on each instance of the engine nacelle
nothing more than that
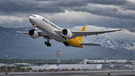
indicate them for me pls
(66, 33)
(34, 34)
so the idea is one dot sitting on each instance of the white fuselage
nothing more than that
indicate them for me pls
(52, 31)
(47, 27)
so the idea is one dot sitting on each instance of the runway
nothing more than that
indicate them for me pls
(73, 73)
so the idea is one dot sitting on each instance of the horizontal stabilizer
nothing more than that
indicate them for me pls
(90, 44)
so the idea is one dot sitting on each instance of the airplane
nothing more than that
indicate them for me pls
(51, 31)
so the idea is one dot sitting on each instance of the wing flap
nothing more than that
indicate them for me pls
(90, 44)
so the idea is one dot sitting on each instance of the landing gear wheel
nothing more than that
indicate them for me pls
(48, 44)
(66, 43)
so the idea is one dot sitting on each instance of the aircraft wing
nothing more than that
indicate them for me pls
(22, 32)
(83, 33)
(40, 33)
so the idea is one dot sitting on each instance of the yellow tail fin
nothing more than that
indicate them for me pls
(80, 37)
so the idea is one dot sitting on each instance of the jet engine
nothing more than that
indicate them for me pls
(34, 34)
(67, 33)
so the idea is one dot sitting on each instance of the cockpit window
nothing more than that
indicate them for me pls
(33, 16)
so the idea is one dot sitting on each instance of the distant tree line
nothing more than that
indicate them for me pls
(35, 61)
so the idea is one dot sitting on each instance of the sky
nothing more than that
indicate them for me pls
(73, 14)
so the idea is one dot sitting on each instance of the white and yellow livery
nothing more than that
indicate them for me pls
(51, 31)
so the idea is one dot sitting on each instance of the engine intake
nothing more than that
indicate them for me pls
(64, 31)
(67, 33)
(34, 34)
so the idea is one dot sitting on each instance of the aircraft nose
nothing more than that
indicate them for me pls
(31, 19)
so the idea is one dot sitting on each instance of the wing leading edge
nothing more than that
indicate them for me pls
(22, 32)
(43, 34)
(81, 33)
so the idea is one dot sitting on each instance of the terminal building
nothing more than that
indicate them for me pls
(112, 63)
(89, 65)
(67, 67)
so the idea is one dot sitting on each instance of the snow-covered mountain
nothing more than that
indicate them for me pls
(22, 46)
(115, 44)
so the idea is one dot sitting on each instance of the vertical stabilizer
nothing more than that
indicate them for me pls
(80, 37)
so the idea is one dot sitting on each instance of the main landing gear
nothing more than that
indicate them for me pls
(66, 43)
(48, 44)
